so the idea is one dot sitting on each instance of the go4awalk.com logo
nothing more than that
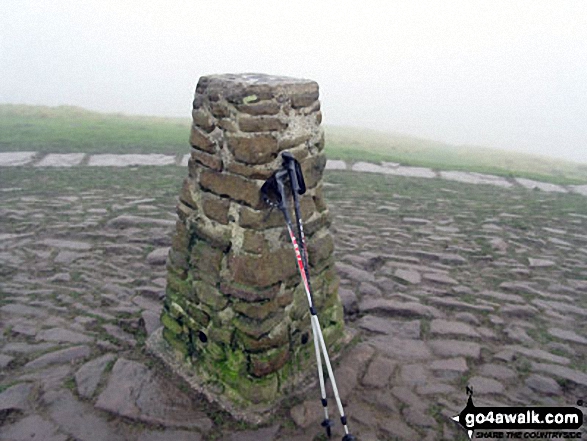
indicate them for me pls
(520, 422)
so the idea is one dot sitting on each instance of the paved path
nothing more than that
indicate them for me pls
(17, 159)
(446, 285)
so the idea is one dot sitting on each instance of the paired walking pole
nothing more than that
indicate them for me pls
(274, 187)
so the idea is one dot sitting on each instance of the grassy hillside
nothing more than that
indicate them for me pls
(66, 129)
(362, 144)
(72, 129)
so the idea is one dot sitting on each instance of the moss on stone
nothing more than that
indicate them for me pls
(210, 295)
(178, 344)
(170, 323)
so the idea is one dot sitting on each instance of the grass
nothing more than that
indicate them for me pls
(356, 144)
(67, 129)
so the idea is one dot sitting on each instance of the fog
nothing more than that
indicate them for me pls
(504, 74)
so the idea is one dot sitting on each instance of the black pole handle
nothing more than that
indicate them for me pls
(295, 172)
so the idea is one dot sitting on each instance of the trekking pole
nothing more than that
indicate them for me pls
(298, 187)
(276, 185)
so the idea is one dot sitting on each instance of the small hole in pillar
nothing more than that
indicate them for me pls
(305, 338)
(203, 337)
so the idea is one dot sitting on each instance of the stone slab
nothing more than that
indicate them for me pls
(61, 160)
(544, 186)
(14, 159)
(475, 178)
(88, 376)
(416, 172)
(127, 160)
(133, 391)
(32, 427)
(579, 189)
(335, 164)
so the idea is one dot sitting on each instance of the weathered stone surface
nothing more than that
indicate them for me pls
(216, 208)
(396, 328)
(408, 276)
(349, 301)
(158, 256)
(266, 433)
(450, 369)
(379, 372)
(78, 419)
(567, 335)
(440, 278)
(5, 360)
(259, 108)
(483, 385)
(446, 328)
(16, 398)
(262, 271)
(203, 119)
(544, 385)
(540, 263)
(207, 160)
(395, 308)
(497, 371)
(62, 356)
(576, 377)
(307, 413)
(320, 248)
(256, 149)
(202, 141)
(312, 169)
(32, 427)
(402, 349)
(261, 124)
(268, 362)
(135, 392)
(169, 435)
(233, 186)
(127, 221)
(455, 348)
(88, 376)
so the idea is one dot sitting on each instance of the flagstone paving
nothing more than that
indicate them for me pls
(17, 159)
(446, 284)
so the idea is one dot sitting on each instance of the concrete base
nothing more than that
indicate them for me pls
(257, 414)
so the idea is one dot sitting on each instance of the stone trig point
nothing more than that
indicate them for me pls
(236, 319)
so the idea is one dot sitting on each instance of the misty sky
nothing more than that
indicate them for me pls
(507, 74)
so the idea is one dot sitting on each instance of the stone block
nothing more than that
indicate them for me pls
(262, 271)
(249, 293)
(235, 187)
(215, 208)
(258, 220)
(320, 248)
(269, 361)
(257, 328)
(253, 149)
(205, 261)
(201, 140)
(203, 119)
(254, 242)
(210, 295)
(261, 124)
(259, 108)
(291, 141)
(313, 168)
(304, 99)
(211, 161)
(256, 310)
